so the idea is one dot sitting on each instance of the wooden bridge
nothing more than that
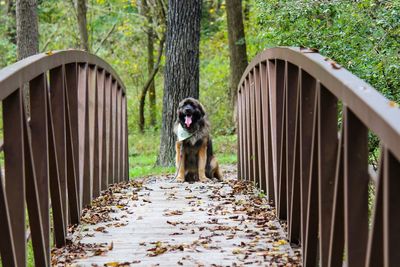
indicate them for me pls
(303, 127)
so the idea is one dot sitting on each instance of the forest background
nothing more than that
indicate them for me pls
(363, 36)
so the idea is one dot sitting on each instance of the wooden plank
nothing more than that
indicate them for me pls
(92, 181)
(271, 69)
(267, 121)
(81, 115)
(39, 131)
(40, 248)
(71, 144)
(307, 96)
(55, 188)
(96, 139)
(107, 126)
(124, 140)
(14, 171)
(57, 93)
(247, 130)
(295, 200)
(112, 178)
(327, 149)
(375, 257)
(7, 249)
(260, 130)
(391, 204)
(282, 207)
(336, 244)
(71, 82)
(292, 88)
(103, 117)
(253, 133)
(118, 135)
(311, 224)
(240, 133)
(356, 180)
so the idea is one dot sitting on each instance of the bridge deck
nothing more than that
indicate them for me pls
(163, 223)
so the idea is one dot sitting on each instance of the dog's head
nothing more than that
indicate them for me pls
(191, 114)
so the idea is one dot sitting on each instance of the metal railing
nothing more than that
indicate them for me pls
(62, 148)
(303, 124)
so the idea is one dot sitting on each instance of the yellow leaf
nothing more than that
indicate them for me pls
(112, 264)
(393, 104)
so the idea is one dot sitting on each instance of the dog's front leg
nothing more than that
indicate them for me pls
(179, 162)
(202, 162)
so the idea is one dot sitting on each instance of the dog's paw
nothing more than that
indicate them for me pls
(180, 179)
(203, 178)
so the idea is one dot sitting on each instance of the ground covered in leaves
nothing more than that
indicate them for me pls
(158, 222)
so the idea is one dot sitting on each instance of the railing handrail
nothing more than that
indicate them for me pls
(370, 106)
(13, 76)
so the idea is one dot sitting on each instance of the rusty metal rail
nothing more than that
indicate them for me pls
(70, 145)
(303, 124)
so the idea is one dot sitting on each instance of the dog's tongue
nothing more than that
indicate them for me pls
(188, 120)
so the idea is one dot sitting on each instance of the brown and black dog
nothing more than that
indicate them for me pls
(194, 154)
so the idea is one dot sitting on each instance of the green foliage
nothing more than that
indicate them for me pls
(214, 72)
(362, 36)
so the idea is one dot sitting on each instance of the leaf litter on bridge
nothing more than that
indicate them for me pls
(157, 222)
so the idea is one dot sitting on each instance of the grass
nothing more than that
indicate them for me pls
(143, 153)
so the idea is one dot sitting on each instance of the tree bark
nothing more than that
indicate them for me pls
(81, 9)
(27, 28)
(181, 78)
(237, 46)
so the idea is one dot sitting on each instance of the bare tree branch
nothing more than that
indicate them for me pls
(149, 82)
(106, 37)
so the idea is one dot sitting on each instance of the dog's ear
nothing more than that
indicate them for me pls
(202, 109)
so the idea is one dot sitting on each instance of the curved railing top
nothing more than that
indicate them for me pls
(11, 77)
(373, 109)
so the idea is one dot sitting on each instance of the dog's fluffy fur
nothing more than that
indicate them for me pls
(196, 153)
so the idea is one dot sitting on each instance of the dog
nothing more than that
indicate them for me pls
(194, 153)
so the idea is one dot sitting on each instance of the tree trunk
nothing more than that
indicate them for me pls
(82, 23)
(237, 45)
(27, 28)
(11, 21)
(181, 78)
